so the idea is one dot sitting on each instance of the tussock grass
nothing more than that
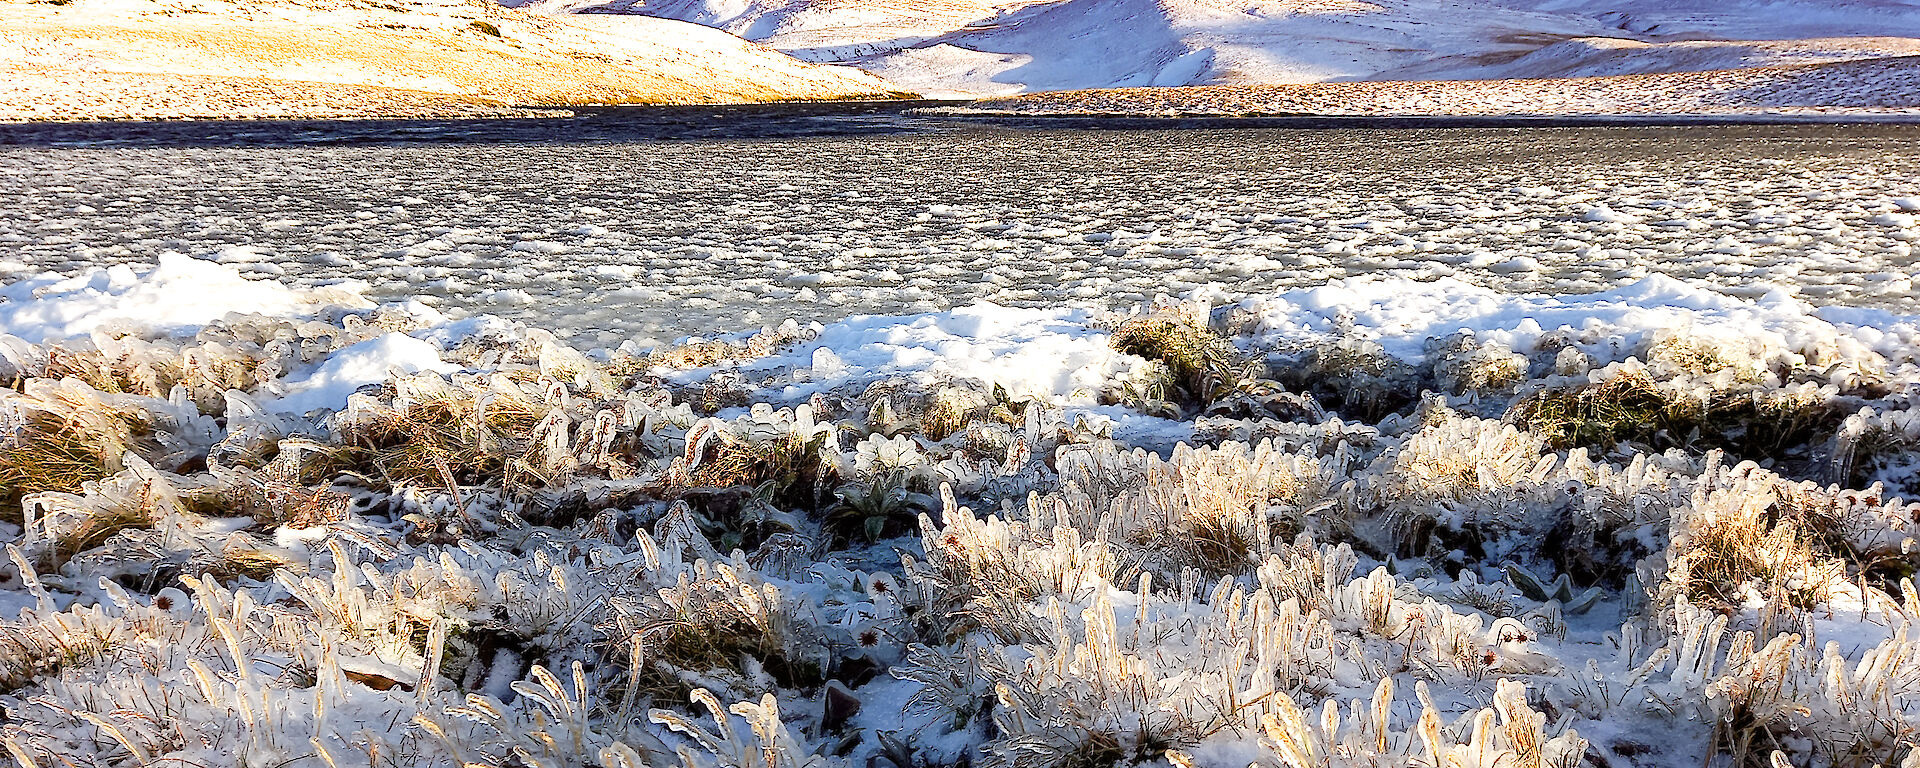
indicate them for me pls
(1687, 354)
(1355, 377)
(1631, 406)
(710, 352)
(51, 453)
(1201, 365)
(32, 652)
(235, 564)
(441, 441)
(94, 531)
(45, 460)
(790, 468)
(111, 375)
(1777, 557)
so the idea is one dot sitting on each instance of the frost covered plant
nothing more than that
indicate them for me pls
(442, 436)
(1200, 365)
(898, 407)
(1461, 477)
(1624, 406)
(1732, 538)
(881, 507)
(881, 456)
(701, 353)
(1560, 590)
(1353, 376)
(552, 562)
(58, 435)
(766, 742)
(1462, 365)
(796, 457)
(1634, 403)
(1510, 733)
(1878, 446)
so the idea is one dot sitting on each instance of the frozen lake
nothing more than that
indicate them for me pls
(610, 239)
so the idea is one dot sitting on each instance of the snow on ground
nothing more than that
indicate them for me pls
(1604, 56)
(997, 47)
(1871, 89)
(1050, 354)
(322, 58)
(1061, 356)
(417, 609)
(1401, 315)
(176, 296)
(328, 384)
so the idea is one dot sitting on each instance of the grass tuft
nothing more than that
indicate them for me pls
(54, 454)
(1201, 365)
(789, 468)
(440, 441)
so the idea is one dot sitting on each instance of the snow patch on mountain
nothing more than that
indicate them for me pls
(977, 47)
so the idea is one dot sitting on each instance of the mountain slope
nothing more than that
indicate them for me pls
(1878, 88)
(1009, 46)
(276, 58)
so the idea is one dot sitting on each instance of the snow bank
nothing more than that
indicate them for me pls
(1401, 314)
(1048, 353)
(177, 296)
(991, 47)
(356, 366)
(1060, 355)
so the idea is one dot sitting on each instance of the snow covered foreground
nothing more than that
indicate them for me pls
(998, 47)
(1412, 523)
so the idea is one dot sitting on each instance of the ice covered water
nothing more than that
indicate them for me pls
(654, 240)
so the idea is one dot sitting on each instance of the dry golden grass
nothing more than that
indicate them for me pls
(1203, 364)
(92, 532)
(1778, 558)
(53, 454)
(442, 441)
(789, 468)
(1687, 354)
(236, 564)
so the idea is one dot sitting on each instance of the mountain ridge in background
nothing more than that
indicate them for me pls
(997, 47)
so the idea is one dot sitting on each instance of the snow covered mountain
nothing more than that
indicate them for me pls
(1009, 46)
(81, 59)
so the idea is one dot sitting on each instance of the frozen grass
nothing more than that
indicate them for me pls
(1201, 366)
(1512, 551)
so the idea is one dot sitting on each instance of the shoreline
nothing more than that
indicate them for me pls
(1126, 120)
(476, 112)
(962, 112)
(1035, 120)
